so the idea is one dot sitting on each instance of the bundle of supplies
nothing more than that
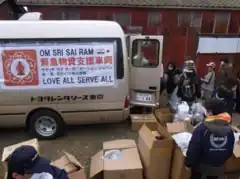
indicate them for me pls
(195, 114)
(198, 113)
(182, 139)
(174, 100)
(182, 112)
(236, 135)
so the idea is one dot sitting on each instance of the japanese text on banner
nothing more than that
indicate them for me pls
(58, 66)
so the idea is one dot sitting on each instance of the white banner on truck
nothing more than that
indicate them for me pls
(57, 66)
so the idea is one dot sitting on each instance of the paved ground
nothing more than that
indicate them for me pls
(82, 141)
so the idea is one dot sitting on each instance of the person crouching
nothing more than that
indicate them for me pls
(25, 163)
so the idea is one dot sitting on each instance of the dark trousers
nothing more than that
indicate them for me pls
(197, 175)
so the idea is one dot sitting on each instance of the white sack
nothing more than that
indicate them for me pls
(174, 100)
(236, 135)
(182, 112)
(198, 112)
(182, 139)
(42, 176)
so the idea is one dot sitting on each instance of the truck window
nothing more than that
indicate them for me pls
(117, 46)
(145, 53)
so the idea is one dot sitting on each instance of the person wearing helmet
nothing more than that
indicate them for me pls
(25, 163)
(208, 82)
(210, 147)
(189, 88)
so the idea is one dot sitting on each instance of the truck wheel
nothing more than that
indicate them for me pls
(46, 125)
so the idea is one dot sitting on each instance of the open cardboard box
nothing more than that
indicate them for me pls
(139, 119)
(71, 165)
(7, 151)
(179, 171)
(127, 167)
(163, 115)
(155, 148)
(233, 163)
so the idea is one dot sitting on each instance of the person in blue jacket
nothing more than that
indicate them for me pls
(210, 147)
(25, 162)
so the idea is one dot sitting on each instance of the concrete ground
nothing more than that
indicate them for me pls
(81, 141)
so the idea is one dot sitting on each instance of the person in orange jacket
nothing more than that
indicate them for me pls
(210, 147)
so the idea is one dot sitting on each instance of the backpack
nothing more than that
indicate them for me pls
(188, 88)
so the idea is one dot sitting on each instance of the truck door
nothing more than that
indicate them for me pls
(145, 70)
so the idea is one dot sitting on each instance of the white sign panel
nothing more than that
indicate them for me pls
(211, 45)
(57, 66)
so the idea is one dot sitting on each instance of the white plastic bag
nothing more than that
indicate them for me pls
(198, 112)
(236, 135)
(182, 112)
(174, 100)
(182, 139)
(42, 176)
(113, 155)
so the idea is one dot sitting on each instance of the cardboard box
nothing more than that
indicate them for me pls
(7, 151)
(163, 115)
(233, 163)
(155, 148)
(179, 171)
(139, 119)
(177, 127)
(71, 165)
(127, 167)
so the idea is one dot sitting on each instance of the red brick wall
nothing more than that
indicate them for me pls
(203, 59)
(4, 13)
(177, 44)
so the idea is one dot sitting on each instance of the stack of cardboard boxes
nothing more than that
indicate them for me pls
(161, 156)
(138, 120)
(163, 115)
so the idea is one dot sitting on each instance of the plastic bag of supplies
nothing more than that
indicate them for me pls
(174, 100)
(198, 113)
(182, 139)
(182, 112)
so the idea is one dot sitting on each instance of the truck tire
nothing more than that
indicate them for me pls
(46, 124)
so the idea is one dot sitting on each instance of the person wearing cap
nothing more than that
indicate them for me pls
(25, 163)
(208, 82)
(210, 147)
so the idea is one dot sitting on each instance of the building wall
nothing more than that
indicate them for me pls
(179, 42)
(203, 59)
